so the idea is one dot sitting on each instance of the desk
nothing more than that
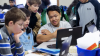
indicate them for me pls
(72, 49)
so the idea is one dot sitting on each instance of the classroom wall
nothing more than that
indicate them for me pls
(65, 2)
(4, 1)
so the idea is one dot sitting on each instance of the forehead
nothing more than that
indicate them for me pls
(19, 21)
(11, 1)
(51, 13)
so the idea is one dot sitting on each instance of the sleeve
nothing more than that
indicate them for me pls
(32, 37)
(5, 49)
(96, 5)
(77, 15)
(43, 27)
(19, 49)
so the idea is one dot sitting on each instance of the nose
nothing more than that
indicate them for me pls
(54, 18)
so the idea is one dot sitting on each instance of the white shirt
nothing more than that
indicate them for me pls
(51, 28)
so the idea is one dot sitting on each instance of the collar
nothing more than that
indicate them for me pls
(5, 30)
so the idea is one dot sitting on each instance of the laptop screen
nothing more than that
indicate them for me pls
(65, 46)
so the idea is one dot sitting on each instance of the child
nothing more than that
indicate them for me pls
(86, 11)
(10, 45)
(27, 37)
(35, 19)
(12, 4)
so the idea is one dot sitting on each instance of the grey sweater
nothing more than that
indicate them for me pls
(8, 46)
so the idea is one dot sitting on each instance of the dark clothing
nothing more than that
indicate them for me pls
(33, 20)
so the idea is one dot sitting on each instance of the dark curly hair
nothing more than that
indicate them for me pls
(74, 3)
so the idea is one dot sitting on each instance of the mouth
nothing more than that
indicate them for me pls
(54, 22)
(36, 11)
(27, 24)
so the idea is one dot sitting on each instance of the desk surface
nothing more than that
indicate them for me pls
(72, 49)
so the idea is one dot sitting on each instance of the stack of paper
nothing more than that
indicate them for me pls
(89, 41)
(50, 51)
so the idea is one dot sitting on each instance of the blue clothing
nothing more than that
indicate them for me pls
(27, 41)
(8, 46)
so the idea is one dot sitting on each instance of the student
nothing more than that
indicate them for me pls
(85, 12)
(49, 30)
(12, 4)
(35, 19)
(10, 45)
(27, 37)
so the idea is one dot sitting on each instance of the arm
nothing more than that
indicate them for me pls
(5, 49)
(43, 38)
(77, 15)
(19, 47)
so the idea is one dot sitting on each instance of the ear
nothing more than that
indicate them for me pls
(10, 23)
(60, 14)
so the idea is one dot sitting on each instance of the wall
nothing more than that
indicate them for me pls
(4, 1)
(65, 2)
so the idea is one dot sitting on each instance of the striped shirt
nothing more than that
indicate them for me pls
(8, 46)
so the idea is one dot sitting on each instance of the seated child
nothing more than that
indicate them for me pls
(27, 37)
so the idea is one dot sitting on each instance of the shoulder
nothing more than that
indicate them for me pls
(65, 24)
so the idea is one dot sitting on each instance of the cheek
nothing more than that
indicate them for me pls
(17, 29)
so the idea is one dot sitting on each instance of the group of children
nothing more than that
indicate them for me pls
(22, 28)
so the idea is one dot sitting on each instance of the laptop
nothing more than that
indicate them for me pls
(59, 52)
(20, 6)
(76, 32)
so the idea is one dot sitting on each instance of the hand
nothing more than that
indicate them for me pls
(55, 33)
(45, 32)
(16, 36)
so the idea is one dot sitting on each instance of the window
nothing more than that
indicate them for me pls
(20, 2)
(53, 2)
(99, 1)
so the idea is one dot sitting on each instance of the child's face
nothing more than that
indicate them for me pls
(12, 3)
(26, 23)
(34, 8)
(83, 1)
(17, 27)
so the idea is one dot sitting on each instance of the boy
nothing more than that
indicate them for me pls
(12, 4)
(86, 11)
(10, 45)
(27, 37)
(35, 19)
(49, 30)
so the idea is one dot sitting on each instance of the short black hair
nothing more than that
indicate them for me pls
(26, 11)
(12, 0)
(53, 8)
